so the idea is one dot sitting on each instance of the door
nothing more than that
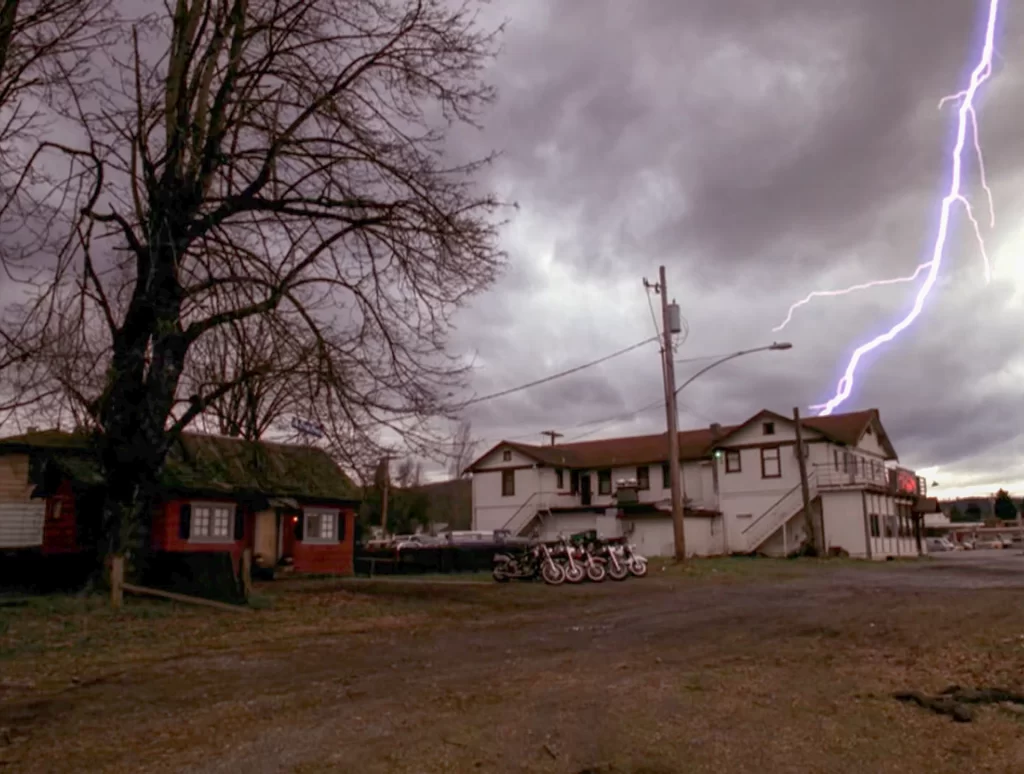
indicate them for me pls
(585, 492)
(289, 523)
(265, 536)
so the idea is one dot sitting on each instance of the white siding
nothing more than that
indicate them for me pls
(869, 444)
(843, 515)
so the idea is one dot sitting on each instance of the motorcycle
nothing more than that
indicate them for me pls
(595, 566)
(566, 554)
(528, 565)
(615, 564)
(637, 564)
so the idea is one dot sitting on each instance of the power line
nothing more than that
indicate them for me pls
(551, 378)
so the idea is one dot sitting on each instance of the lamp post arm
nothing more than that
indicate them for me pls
(717, 363)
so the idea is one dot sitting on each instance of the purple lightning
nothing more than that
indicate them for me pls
(967, 114)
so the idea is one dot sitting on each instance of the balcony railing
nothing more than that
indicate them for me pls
(853, 470)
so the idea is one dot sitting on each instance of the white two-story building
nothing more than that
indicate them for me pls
(741, 486)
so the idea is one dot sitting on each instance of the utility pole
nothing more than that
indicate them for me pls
(552, 434)
(670, 326)
(384, 479)
(805, 488)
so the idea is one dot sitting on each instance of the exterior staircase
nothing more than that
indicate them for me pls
(532, 511)
(757, 533)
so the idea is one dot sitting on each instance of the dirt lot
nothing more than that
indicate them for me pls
(729, 666)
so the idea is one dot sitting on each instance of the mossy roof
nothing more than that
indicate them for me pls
(210, 464)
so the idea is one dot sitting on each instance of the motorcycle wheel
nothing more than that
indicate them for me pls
(552, 574)
(596, 573)
(500, 575)
(574, 573)
(638, 568)
(617, 571)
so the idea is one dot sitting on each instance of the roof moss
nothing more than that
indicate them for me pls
(209, 464)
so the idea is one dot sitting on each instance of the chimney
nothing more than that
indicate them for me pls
(716, 430)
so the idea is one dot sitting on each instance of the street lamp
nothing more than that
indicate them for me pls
(774, 346)
(678, 490)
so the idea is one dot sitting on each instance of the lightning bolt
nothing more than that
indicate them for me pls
(966, 116)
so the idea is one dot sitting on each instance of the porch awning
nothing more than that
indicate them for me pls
(288, 503)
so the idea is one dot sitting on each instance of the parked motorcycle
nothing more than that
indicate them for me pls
(637, 564)
(615, 565)
(528, 565)
(568, 557)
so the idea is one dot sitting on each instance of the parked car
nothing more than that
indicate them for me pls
(989, 543)
(938, 545)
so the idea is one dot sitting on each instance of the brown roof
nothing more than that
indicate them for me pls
(616, 452)
(693, 444)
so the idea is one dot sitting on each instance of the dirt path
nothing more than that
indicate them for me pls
(652, 676)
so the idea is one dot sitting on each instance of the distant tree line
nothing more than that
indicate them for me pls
(1002, 508)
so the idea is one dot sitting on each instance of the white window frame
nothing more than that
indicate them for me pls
(231, 508)
(320, 512)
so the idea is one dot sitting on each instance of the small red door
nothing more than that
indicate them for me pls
(289, 524)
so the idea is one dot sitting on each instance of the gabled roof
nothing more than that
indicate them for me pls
(694, 445)
(847, 429)
(210, 464)
(612, 452)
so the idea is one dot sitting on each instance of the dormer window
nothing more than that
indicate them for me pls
(868, 431)
(768, 428)
(506, 456)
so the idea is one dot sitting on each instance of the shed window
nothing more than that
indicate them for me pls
(559, 478)
(211, 522)
(604, 482)
(321, 527)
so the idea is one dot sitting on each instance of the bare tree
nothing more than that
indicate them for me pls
(462, 449)
(281, 162)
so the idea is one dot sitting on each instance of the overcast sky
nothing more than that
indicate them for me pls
(759, 149)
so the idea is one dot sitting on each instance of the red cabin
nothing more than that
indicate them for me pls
(292, 505)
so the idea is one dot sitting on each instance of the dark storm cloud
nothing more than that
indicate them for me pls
(761, 150)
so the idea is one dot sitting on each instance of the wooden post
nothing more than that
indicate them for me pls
(805, 489)
(116, 581)
(246, 571)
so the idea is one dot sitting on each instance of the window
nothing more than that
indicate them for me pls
(835, 458)
(574, 482)
(643, 477)
(891, 527)
(506, 456)
(604, 482)
(321, 527)
(875, 531)
(559, 478)
(744, 515)
(732, 461)
(210, 522)
(666, 476)
(771, 462)
(508, 483)
(768, 428)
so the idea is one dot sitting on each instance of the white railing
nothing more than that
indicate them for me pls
(525, 513)
(785, 508)
(21, 524)
(855, 471)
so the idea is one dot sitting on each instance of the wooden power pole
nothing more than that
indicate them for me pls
(672, 417)
(805, 488)
(552, 434)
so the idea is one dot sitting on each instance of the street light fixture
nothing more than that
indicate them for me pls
(675, 470)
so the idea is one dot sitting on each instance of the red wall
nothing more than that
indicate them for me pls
(60, 534)
(329, 558)
(165, 530)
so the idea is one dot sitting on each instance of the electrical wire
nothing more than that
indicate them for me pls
(559, 375)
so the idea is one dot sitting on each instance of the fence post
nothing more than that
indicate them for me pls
(246, 573)
(116, 581)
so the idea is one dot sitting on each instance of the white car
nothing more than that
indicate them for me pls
(939, 544)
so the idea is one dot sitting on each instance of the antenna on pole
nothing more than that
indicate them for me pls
(552, 434)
